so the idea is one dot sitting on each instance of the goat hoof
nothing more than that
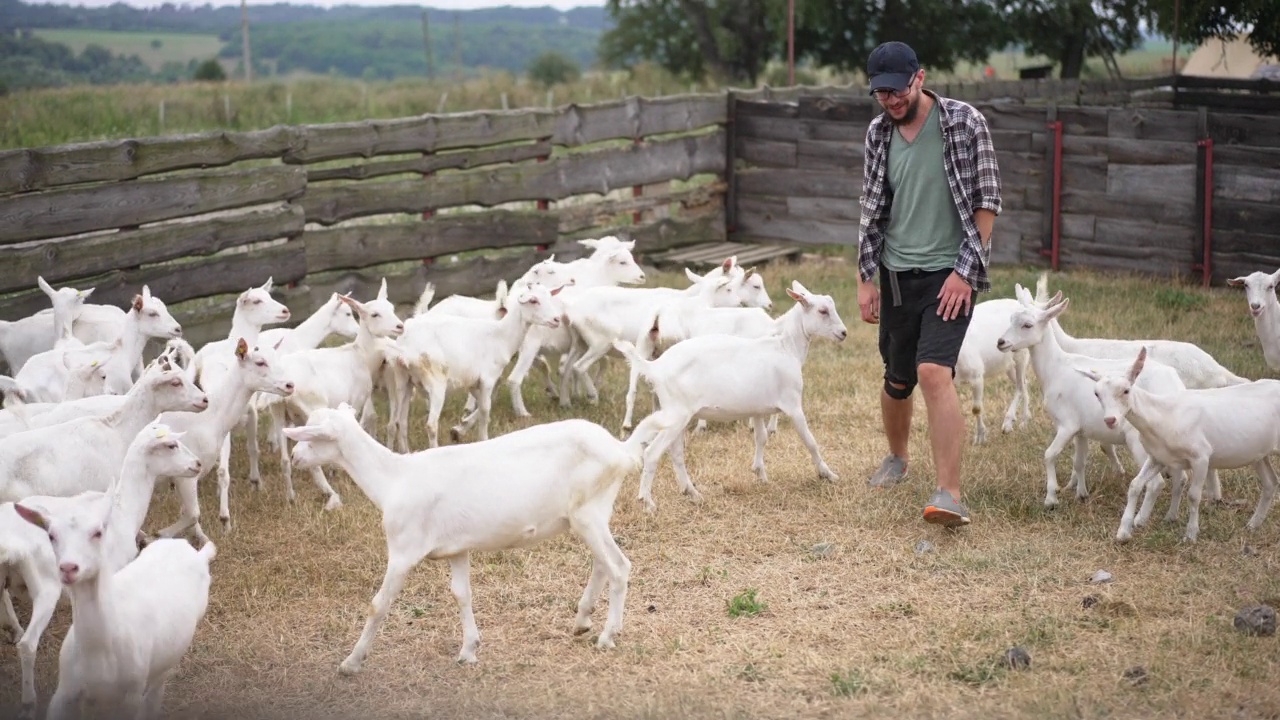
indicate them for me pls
(349, 667)
(256, 484)
(226, 523)
(15, 635)
(605, 642)
(581, 629)
(334, 503)
(455, 434)
(28, 712)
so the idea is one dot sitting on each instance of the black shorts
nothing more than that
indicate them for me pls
(911, 331)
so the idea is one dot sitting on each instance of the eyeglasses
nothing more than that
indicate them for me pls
(886, 94)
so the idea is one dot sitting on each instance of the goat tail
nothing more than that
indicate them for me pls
(648, 430)
(1042, 287)
(208, 552)
(428, 294)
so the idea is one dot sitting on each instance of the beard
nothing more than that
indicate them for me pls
(913, 107)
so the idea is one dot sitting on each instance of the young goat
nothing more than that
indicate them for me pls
(129, 629)
(443, 352)
(1196, 430)
(27, 558)
(513, 491)
(980, 359)
(726, 378)
(1260, 292)
(1068, 396)
(21, 339)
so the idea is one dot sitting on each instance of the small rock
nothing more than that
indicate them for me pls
(822, 549)
(1102, 576)
(924, 546)
(1136, 675)
(1249, 550)
(1256, 620)
(1089, 601)
(653, 608)
(1017, 658)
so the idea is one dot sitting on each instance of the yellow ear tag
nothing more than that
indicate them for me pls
(93, 364)
(162, 432)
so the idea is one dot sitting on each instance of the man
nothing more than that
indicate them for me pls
(930, 195)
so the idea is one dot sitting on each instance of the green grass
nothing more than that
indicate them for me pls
(174, 47)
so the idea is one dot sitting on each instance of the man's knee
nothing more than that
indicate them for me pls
(935, 376)
(898, 390)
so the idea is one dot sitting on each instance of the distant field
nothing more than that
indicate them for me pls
(174, 47)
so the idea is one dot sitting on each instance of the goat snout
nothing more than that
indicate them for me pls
(203, 402)
(842, 334)
(1255, 309)
(1001, 344)
(285, 313)
(69, 571)
(399, 328)
(288, 387)
(1110, 421)
(176, 331)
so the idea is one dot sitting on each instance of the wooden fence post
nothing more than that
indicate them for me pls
(1052, 213)
(730, 157)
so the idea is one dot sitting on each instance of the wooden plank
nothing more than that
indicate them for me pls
(68, 211)
(1244, 129)
(827, 153)
(1075, 225)
(820, 208)
(1078, 120)
(831, 108)
(1228, 265)
(822, 183)
(1103, 204)
(1259, 85)
(1014, 117)
(1243, 183)
(1228, 101)
(765, 153)
(64, 260)
(833, 131)
(763, 224)
(1162, 183)
(1138, 236)
(1244, 215)
(599, 171)
(763, 109)
(1247, 241)
(1011, 163)
(767, 128)
(1018, 141)
(1131, 151)
(53, 166)
(360, 246)
(588, 215)
(1084, 171)
(672, 232)
(1101, 256)
(1152, 124)
(458, 160)
(176, 282)
(762, 254)
(1246, 156)
(638, 117)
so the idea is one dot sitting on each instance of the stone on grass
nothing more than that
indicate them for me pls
(923, 547)
(1256, 620)
(1102, 576)
(1136, 675)
(1017, 658)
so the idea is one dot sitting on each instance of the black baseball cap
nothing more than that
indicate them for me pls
(891, 66)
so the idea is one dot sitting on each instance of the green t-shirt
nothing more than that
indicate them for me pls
(924, 229)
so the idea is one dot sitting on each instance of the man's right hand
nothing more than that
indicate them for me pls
(869, 302)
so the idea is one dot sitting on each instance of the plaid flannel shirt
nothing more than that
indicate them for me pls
(970, 160)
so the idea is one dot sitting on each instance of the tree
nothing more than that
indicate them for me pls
(1200, 20)
(210, 70)
(1070, 31)
(729, 40)
(552, 67)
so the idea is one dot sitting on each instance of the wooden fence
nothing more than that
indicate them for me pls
(1128, 192)
(338, 207)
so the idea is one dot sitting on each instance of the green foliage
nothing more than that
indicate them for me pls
(849, 684)
(29, 62)
(552, 67)
(1071, 30)
(210, 71)
(1200, 20)
(745, 604)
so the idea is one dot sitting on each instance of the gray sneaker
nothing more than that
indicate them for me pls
(945, 510)
(892, 471)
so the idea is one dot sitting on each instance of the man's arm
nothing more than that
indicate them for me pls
(985, 219)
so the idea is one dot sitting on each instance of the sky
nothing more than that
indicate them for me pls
(440, 4)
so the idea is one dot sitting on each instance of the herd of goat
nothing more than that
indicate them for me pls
(89, 431)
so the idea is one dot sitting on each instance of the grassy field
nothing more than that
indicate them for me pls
(173, 47)
(731, 613)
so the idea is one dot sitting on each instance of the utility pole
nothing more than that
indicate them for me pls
(426, 46)
(244, 35)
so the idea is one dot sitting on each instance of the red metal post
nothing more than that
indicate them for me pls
(1206, 267)
(1056, 243)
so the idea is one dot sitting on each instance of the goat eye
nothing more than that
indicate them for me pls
(52, 538)
(1026, 326)
(1126, 392)
(261, 363)
(97, 535)
(824, 311)
(257, 302)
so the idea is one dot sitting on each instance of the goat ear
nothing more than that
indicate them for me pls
(557, 290)
(355, 304)
(382, 290)
(137, 303)
(1138, 364)
(268, 285)
(1021, 294)
(146, 292)
(86, 293)
(278, 343)
(1235, 282)
(1057, 305)
(589, 242)
(44, 286)
(305, 433)
(1091, 374)
(729, 262)
(693, 276)
(242, 349)
(31, 515)
(804, 301)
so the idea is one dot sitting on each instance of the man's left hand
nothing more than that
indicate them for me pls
(954, 295)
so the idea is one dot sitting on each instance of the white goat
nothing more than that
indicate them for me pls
(328, 377)
(980, 359)
(726, 378)
(130, 628)
(251, 371)
(20, 339)
(1260, 292)
(86, 453)
(1196, 430)
(27, 557)
(1197, 368)
(512, 491)
(1068, 395)
(447, 351)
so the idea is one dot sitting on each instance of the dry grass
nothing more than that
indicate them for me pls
(870, 630)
